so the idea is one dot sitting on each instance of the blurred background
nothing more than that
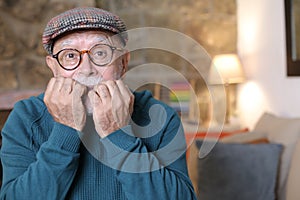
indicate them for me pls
(23, 72)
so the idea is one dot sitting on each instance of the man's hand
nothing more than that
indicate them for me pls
(112, 103)
(63, 100)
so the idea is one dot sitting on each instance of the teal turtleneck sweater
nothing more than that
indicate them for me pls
(44, 160)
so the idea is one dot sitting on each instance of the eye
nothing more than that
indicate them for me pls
(100, 54)
(69, 56)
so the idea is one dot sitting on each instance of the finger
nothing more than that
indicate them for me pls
(58, 84)
(67, 85)
(49, 90)
(124, 90)
(50, 86)
(64, 85)
(77, 94)
(103, 92)
(126, 93)
(78, 89)
(112, 87)
(94, 98)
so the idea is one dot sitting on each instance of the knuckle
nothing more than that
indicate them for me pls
(132, 97)
(60, 79)
(119, 81)
(111, 82)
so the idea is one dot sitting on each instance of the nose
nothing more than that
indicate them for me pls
(86, 67)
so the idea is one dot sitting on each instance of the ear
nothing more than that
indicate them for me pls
(125, 61)
(51, 64)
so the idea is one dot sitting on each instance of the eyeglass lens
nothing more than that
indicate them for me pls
(100, 55)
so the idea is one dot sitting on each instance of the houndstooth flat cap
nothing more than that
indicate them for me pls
(82, 18)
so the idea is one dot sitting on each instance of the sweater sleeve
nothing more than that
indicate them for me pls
(43, 173)
(161, 174)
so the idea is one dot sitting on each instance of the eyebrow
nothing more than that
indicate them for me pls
(100, 39)
(65, 43)
(107, 38)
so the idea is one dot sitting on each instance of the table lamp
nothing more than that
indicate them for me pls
(226, 69)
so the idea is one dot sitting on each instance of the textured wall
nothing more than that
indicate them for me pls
(210, 22)
(22, 62)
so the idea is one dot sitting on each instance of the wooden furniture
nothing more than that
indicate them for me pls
(190, 137)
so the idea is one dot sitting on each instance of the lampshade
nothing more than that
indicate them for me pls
(226, 69)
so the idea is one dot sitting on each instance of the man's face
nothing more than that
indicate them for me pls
(87, 73)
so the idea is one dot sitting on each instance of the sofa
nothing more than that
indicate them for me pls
(259, 164)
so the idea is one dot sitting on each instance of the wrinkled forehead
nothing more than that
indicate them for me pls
(92, 36)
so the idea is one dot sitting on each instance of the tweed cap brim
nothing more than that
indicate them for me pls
(82, 18)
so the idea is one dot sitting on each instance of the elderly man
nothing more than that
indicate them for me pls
(88, 135)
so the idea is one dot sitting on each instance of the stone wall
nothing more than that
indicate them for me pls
(212, 23)
(22, 62)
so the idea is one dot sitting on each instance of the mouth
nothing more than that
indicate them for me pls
(90, 82)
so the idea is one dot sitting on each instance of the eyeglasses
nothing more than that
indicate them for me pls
(100, 55)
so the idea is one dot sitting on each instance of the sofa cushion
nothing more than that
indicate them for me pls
(285, 131)
(238, 171)
(293, 181)
(246, 138)
(241, 138)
